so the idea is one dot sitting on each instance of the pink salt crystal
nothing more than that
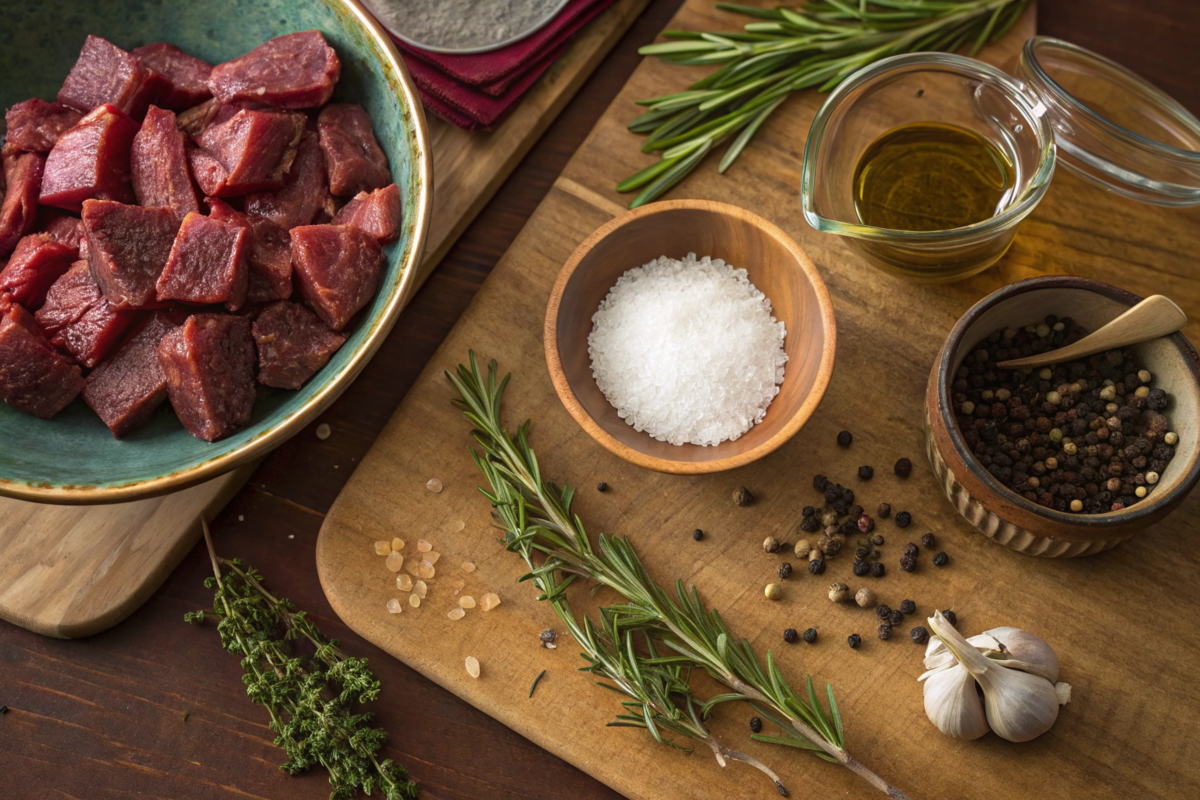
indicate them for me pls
(432, 557)
(434, 485)
(472, 666)
(456, 613)
(425, 570)
(466, 601)
(411, 566)
(414, 600)
(394, 606)
(404, 583)
(459, 585)
(382, 548)
(397, 544)
(424, 546)
(420, 589)
(468, 566)
(490, 601)
(395, 561)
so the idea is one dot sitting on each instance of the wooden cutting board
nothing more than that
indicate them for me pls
(1123, 623)
(71, 572)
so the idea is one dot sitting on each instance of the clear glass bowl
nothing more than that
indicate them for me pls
(1111, 126)
(925, 87)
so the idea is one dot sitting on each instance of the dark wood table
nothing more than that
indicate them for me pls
(154, 708)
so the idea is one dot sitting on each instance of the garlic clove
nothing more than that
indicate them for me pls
(1020, 706)
(953, 705)
(1024, 651)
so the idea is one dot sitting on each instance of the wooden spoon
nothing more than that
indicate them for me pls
(1153, 317)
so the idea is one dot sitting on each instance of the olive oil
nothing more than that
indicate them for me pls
(930, 176)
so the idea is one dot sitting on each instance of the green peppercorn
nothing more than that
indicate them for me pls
(810, 635)
(919, 635)
(854, 640)
(941, 559)
(790, 635)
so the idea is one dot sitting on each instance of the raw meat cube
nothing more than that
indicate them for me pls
(91, 161)
(128, 247)
(104, 74)
(23, 177)
(34, 377)
(61, 228)
(353, 157)
(377, 214)
(35, 265)
(292, 345)
(207, 264)
(35, 125)
(337, 268)
(127, 388)
(209, 365)
(298, 70)
(79, 320)
(186, 76)
(270, 254)
(159, 167)
(305, 192)
(251, 151)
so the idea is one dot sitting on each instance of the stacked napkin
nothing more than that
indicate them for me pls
(477, 91)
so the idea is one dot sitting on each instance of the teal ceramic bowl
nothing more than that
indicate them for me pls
(73, 458)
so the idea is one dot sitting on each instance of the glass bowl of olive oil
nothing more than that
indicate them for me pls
(927, 163)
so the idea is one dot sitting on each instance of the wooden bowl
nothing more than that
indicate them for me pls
(1005, 516)
(775, 264)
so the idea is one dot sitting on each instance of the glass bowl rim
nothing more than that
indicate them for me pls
(940, 62)
(1074, 106)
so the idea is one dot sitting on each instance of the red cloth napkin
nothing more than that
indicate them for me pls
(477, 91)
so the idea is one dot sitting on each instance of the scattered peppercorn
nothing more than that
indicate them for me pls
(839, 592)
(864, 598)
(601, 487)
(903, 468)
(697, 534)
(919, 635)
(816, 567)
(755, 724)
(861, 553)
(773, 591)
(896, 617)
(877, 570)
(855, 511)
(820, 482)
(911, 549)
(908, 606)
(908, 563)
(885, 631)
(844, 438)
(866, 473)
(810, 635)
(854, 640)
(877, 539)
(865, 523)
(883, 611)
(785, 570)
(861, 569)
(810, 524)
(941, 559)
(950, 617)
(790, 635)
(742, 497)
(903, 519)
(928, 541)
(884, 511)
(771, 544)
(808, 511)
(802, 548)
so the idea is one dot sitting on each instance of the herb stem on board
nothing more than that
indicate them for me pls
(537, 520)
(786, 50)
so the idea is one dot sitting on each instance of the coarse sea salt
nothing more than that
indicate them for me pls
(688, 351)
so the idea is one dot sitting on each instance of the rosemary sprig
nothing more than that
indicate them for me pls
(537, 519)
(787, 50)
(309, 699)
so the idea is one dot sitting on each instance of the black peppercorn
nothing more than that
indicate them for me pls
(950, 617)
(785, 570)
(877, 539)
(911, 549)
(897, 617)
(861, 553)
(854, 640)
(855, 511)
(790, 635)
(743, 497)
(755, 724)
(844, 438)
(903, 467)
(908, 563)
(908, 606)
(816, 567)
(865, 473)
(903, 519)
(885, 631)
(697, 534)
(883, 612)
(877, 569)
(941, 559)
(810, 524)
(601, 486)
(810, 635)
(808, 511)
(884, 511)
(861, 568)
(928, 541)
(919, 635)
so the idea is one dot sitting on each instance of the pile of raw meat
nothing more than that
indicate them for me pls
(155, 255)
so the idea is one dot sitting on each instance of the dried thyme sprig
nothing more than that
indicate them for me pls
(815, 47)
(536, 515)
(309, 699)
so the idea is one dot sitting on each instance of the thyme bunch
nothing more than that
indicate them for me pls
(785, 51)
(310, 699)
(537, 519)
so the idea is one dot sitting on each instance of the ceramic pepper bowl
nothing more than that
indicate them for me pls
(1009, 518)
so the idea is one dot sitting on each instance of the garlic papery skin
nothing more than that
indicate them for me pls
(952, 704)
(1019, 705)
(1024, 651)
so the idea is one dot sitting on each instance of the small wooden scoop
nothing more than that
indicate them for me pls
(1153, 317)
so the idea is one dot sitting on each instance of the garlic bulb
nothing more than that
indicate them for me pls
(1016, 671)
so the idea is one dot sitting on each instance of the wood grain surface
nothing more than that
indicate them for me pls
(102, 717)
(75, 572)
(889, 333)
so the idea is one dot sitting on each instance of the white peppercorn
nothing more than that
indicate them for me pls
(839, 592)
(773, 591)
(865, 598)
(803, 548)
